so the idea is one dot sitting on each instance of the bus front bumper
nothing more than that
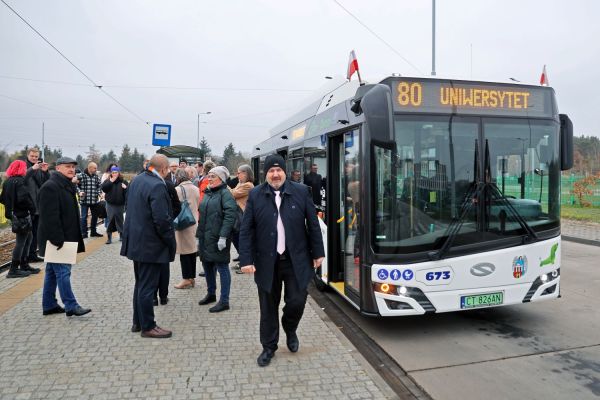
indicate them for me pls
(416, 302)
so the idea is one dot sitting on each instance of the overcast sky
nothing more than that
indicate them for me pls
(250, 62)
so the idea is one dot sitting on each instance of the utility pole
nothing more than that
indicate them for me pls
(432, 37)
(43, 144)
(198, 128)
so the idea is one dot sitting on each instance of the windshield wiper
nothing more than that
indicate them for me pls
(513, 210)
(454, 228)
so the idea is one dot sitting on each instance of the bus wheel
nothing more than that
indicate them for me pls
(319, 284)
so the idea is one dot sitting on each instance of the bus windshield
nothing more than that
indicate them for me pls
(483, 178)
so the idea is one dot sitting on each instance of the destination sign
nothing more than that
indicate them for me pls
(471, 98)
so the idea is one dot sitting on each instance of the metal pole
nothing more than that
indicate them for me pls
(432, 37)
(198, 133)
(43, 144)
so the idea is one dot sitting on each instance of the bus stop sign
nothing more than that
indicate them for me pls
(161, 135)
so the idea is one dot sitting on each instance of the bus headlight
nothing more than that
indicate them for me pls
(385, 288)
(402, 290)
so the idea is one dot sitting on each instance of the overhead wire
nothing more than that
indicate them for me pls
(231, 89)
(41, 106)
(389, 46)
(73, 64)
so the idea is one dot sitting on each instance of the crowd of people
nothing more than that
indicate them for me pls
(167, 209)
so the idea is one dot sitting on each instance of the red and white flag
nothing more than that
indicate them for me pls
(352, 66)
(544, 77)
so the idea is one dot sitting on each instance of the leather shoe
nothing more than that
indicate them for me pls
(95, 234)
(157, 333)
(264, 358)
(292, 342)
(219, 307)
(78, 311)
(55, 310)
(209, 298)
(135, 328)
(164, 301)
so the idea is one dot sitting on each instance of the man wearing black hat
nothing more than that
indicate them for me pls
(281, 243)
(59, 223)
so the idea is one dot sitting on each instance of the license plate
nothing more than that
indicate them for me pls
(482, 300)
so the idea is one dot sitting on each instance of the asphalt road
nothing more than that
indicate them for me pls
(545, 350)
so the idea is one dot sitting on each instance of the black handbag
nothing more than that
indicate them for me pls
(101, 209)
(21, 225)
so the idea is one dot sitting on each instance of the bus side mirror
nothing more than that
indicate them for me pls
(566, 142)
(376, 104)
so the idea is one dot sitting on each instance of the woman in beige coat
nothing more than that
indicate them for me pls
(240, 194)
(186, 238)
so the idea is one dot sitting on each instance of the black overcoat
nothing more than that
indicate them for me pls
(258, 233)
(59, 213)
(148, 234)
(16, 198)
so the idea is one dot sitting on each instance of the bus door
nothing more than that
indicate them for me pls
(345, 204)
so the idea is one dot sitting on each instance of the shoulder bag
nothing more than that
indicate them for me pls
(185, 219)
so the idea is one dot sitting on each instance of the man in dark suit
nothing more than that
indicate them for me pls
(280, 242)
(315, 182)
(149, 241)
(165, 274)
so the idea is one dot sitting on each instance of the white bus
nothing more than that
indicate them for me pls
(436, 195)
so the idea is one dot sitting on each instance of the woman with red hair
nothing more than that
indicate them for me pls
(18, 207)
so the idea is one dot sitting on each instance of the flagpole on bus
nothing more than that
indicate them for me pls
(432, 37)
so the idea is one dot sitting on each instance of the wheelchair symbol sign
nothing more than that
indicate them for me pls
(382, 274)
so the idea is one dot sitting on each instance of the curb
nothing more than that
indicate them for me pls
(579, 240)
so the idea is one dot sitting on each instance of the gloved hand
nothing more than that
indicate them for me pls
(57, 244)
(222, 243)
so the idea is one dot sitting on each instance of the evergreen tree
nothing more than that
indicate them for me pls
(50, 155)
(228, 153)
(107, 159)
(125, 161)
(204, 148)
(80, 162)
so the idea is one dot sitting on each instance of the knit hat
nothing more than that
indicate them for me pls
(274, 160)
(115, 169)
(221, 172)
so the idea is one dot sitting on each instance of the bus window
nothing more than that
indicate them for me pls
(295, 165)
(315, 168)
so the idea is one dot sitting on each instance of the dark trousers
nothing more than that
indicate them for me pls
(146, 281)
(93, 209)
(34, 242)
(294, 298)
(162, 288)
(235, 240)
(21, 246)
(188, 265)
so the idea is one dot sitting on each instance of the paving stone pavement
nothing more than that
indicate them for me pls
(211, 356)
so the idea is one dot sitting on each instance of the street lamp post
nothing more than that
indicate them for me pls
(198, 128)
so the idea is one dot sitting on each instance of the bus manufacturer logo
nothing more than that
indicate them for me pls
(483, 269)
(519, 266)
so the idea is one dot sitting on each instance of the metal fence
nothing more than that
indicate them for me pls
(567, 196)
